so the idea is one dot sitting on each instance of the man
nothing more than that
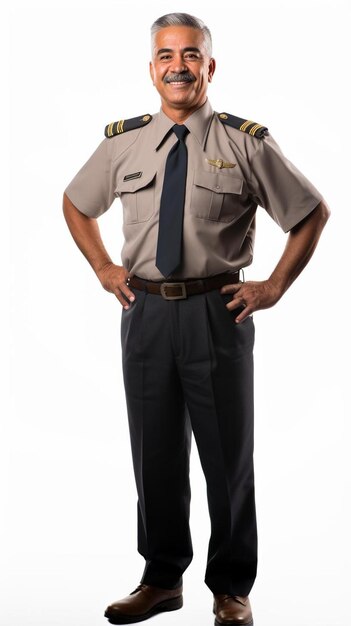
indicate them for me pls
(190, 181)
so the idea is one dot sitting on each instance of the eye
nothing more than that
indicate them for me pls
(165, 57)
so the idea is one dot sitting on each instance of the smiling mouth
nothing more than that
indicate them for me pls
(179, 80)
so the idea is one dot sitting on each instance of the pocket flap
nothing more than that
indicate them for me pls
(134, 184)
(217, 182)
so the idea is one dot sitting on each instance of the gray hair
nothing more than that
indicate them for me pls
(182, 19)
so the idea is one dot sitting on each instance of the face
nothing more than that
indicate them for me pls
(181, 68)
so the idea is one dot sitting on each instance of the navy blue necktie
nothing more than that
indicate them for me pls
(170, 229)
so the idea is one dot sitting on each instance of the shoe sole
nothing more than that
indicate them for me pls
(167, 605)
(217, 623)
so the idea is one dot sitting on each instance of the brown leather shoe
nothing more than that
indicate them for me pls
(232, 610)
(144, 602)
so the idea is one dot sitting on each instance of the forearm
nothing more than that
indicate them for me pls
(302, 241)
(86, 233)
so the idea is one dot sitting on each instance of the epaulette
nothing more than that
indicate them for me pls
(116, 128)
(247, 126)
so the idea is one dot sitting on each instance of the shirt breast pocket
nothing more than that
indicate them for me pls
(216, 196)
(137, 196)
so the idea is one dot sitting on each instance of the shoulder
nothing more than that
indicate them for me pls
(122, 126)
(247, 126)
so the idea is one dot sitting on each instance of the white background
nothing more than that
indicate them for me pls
(69, 500)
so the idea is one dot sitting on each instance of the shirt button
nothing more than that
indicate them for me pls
(218, 186)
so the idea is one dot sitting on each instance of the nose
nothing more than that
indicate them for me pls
(178, 64)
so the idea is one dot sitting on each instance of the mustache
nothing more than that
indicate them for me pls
(184, 77)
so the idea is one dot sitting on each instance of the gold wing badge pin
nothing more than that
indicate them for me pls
(220, 163)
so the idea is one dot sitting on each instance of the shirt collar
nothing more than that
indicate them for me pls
(198, 124)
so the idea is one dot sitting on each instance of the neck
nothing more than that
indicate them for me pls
(180, 115)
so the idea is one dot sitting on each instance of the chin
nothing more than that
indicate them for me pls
(183, 98)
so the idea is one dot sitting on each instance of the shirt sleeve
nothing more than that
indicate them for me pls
(279, 187)
(92, 189)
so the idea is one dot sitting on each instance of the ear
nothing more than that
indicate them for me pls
(151, 70)
(211, 69)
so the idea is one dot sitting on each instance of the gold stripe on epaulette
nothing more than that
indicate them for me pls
(120, 126)
(109, 129)
(254, 128)
(246, 124)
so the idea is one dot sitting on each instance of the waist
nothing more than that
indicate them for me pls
(179, 290)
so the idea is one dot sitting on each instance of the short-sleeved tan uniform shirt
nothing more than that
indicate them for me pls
(220, 203)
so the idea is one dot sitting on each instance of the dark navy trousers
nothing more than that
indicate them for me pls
(188, 368)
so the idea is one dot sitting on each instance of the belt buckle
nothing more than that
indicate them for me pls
(164, 286)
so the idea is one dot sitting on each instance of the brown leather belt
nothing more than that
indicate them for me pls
(180, 290)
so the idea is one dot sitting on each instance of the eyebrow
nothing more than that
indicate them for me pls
(188, 49)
